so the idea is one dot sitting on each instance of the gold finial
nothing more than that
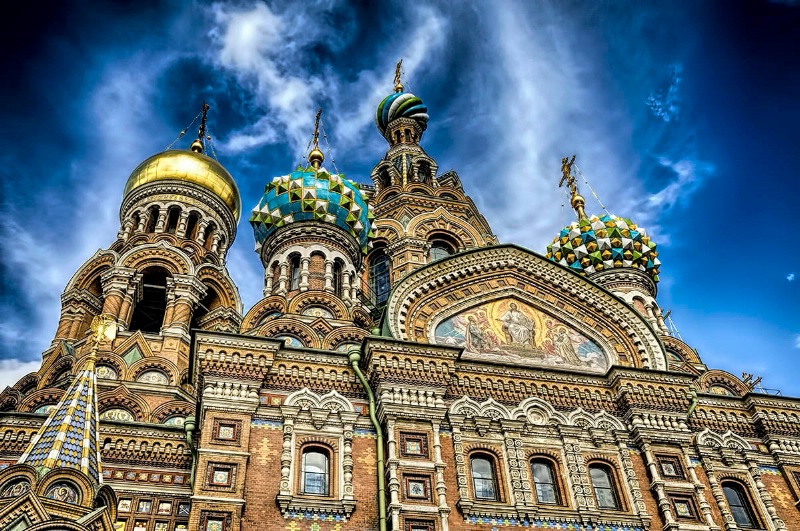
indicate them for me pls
(197, 145)
(577, 201)
(316, 156)
(398, 87)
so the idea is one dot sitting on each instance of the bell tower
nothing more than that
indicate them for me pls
(421, 215)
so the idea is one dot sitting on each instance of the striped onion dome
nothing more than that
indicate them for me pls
(401, 105)
(601, 243)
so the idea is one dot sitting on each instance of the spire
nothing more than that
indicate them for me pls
(69, 436)
(577, 201)
(398, 86)
(316, 156)
(198, 146)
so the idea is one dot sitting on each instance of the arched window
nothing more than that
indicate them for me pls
(484, 483)
(739, 503)
(152, 219)
(172, 220)
(603, 485)
(379, 278)
(209, 241)
(439, 249)
(148, 315)
(544, 481)
(338, 277)
(316, 472)
(136, 219)
(192, 226)
(294, 272)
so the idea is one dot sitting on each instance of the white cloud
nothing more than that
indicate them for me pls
(797, 341)
(790, 277)
(272, 56)
(689, 174)
(12, 370)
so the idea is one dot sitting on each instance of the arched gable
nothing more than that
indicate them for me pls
(577, 317)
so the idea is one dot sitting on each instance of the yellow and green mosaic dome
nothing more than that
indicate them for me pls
(601, 243)
(313, 195)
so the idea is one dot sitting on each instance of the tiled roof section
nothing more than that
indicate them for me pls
(68, 438)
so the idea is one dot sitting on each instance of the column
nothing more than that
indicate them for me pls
(393, 483)
(346, 289)
(162, 217)
(441, 488)
(755, 473)
(304, 261)
(181, 231)
(657, 486)
(201, 231)
(187, 292)
(283, 278)
(328, 276)
(116, 282)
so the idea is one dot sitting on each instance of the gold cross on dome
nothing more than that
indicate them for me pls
(566, 174)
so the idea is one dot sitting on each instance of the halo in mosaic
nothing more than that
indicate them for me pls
(315, 195)
(68, 438)
(600, 243)
(401, 105)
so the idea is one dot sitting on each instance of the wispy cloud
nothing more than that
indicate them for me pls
(665, 103)
(12, 370)
(797, 341)
(790, 277)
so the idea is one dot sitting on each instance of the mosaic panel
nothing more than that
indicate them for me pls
(507, 328)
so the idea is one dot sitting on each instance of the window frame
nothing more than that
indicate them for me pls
(743, 493)
(492, 460)
(294, 271)
(327, 475)
(380, 285)
(613, 486)
(554, 480)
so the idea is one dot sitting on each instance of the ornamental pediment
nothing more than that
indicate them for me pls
(505, 304)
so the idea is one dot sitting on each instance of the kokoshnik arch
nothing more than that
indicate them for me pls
(402, 371)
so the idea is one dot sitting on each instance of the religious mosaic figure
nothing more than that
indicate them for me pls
(565, 348)
(517, 326)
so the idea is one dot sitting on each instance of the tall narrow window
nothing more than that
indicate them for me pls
(544, 482)
(337, 277)
(294, 272)
(740, 506)
(315, 472)
(191, 226)
(603, 486)
(379, 278)
(210, 230)
(152, 219)
(483, 478)
(172, 220)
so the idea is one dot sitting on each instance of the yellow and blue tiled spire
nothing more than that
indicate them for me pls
(69, 436)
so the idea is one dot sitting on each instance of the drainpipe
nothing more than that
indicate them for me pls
(188, 427)
(354, 358)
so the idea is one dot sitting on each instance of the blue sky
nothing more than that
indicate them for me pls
(683, 116)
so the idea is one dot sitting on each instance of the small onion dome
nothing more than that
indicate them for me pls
(313, 195)
(191, 167)
(401, 105)
(601, 243)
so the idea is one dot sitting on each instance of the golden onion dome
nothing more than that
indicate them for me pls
(191, 167)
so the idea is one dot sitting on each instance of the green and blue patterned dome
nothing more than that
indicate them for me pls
(313, 195)
(401, 105)
(601, 243)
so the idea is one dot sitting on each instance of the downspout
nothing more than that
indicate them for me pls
(188, 426)
(354, 358)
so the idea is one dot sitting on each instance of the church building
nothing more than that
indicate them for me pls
(403, 370)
